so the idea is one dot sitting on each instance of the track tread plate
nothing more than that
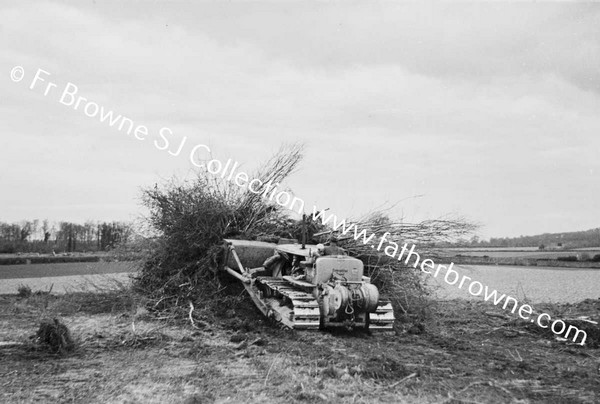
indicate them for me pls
(304, 314)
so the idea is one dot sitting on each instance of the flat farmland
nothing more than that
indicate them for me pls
(536, 284)
(64, 269)
(65, 277)
(530, 253)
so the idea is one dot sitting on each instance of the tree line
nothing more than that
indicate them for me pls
(576, 239)
(45, 237)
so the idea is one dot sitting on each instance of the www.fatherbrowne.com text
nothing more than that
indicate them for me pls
(451, 276)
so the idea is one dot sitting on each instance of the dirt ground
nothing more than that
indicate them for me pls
(468, 352)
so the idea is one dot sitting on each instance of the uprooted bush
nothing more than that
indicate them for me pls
(24, 291)
(55, 336)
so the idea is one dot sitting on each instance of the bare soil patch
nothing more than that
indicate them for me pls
(125, 354)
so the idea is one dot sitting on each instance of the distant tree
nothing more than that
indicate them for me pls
(112, 234)
(35, 227)
(88, 231)
(70, 246)
(46, 230)
(25, 231)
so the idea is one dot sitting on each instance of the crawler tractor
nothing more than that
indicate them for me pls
(295, 285)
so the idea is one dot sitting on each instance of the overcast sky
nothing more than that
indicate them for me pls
(489, 111)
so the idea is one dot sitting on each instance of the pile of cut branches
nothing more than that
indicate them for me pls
(404, 284)
(192, 218)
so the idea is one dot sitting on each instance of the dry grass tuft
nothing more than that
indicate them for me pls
(24, 291)
(55, 336)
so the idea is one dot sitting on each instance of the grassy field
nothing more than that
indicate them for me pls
(534, 284)
(578, 258)
(467, 352)
(65, 277)
(64, 269)
(66, 284)
(543, 254)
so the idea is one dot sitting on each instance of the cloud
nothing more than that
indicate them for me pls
(481, 108)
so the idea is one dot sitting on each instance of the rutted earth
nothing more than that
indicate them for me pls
(467, 352)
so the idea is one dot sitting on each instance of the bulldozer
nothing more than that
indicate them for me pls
(303, 287)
